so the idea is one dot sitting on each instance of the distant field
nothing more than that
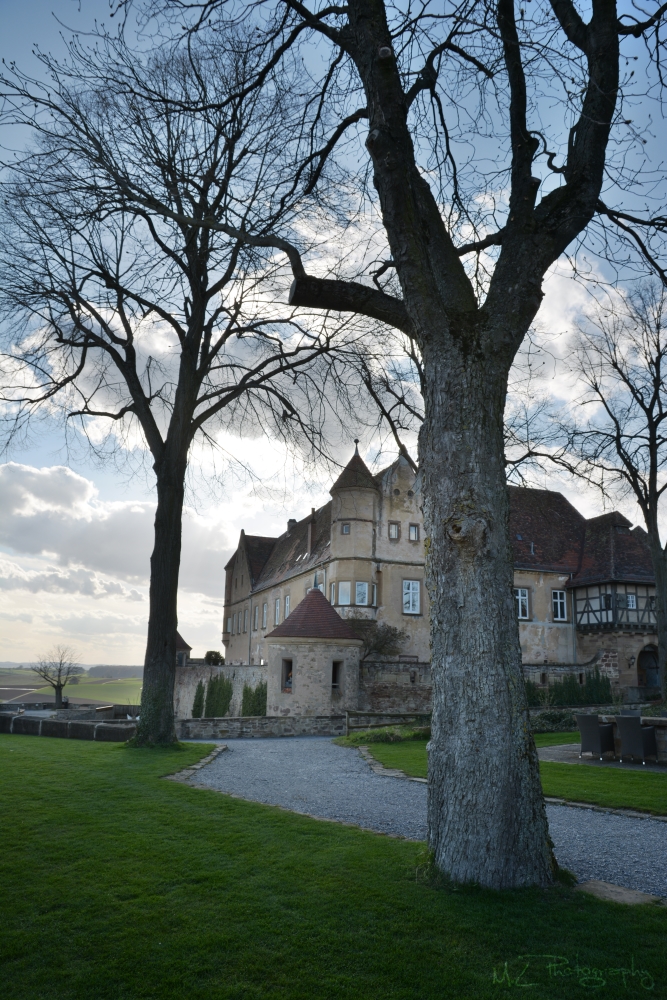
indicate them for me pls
(17, 683)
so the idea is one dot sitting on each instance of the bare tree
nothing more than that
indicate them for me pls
(142, 328)
(617, 436)
(57, 667)
(441, 91)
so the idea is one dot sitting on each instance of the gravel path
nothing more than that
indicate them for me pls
(314, 776)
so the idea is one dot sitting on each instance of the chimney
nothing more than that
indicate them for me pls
(311, 530)
(290, 524)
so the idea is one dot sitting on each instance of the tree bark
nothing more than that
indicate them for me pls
(486, 817)
(156, 722)
(58, 688)
(659, 560)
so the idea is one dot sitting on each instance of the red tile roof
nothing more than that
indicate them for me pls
(613, 552)
(546, 531)
(314, 618)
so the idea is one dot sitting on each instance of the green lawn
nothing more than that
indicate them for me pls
(613, 788)
(410, 755)
(119, 886)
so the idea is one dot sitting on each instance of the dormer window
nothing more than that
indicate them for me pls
(345, 528)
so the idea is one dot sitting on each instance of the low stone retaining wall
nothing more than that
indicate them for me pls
(258, 726)
(106, 732)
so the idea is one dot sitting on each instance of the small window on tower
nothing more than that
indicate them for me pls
(344, 592)
(345, 528)
(277, 612)
(287, 676)
(256, 618)
(332, 593)
(394, 530)
(265, 609)
(414, 532)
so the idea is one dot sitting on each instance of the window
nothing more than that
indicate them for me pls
(345, 529)
(343, 592)
(394, 530)
(265, 609)
(606, 602)
(287, 606)
(234, 624)
(245, 620)
(332, 590)
(411, 605)
(229, 624)
(277, 612)
(521, 598)
(375, 595)
(287, 676)
(256, 618)
(361, 594)
(336, 671)
(632, 602)
(559, 605)
(414, 533)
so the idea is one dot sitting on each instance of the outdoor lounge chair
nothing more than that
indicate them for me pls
(596, 737)
(636, 740)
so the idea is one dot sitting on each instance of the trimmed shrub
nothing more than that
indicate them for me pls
(254, 701)
(553, 722)
(218, 697)
(198, 703)
(596, 690)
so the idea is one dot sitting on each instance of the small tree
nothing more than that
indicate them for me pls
(218, 697)
(213, 658)
(254, 700)
(198, 703)
(57, 667)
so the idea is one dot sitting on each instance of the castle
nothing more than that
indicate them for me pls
(584, 592)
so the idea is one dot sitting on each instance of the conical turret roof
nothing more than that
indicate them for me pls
(314, 618)
(355, 476)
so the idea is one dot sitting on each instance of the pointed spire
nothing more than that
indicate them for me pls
(355, 476)
(356, 446)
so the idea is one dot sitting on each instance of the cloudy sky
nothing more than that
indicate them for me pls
(75, 539)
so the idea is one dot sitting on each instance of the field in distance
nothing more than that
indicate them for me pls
(24, 685)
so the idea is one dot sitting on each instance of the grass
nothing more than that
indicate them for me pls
(410, 756)
(613, 788)
(119, 886)
(125, 691)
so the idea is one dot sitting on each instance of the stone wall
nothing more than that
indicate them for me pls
(261, 726)
(27, 725)
(188, 677)
(394, 687)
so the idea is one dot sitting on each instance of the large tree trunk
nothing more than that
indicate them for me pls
(58, 689)
(659, 560)
(156, 723)
(486, 817)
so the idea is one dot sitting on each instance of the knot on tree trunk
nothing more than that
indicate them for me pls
(470, 533)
